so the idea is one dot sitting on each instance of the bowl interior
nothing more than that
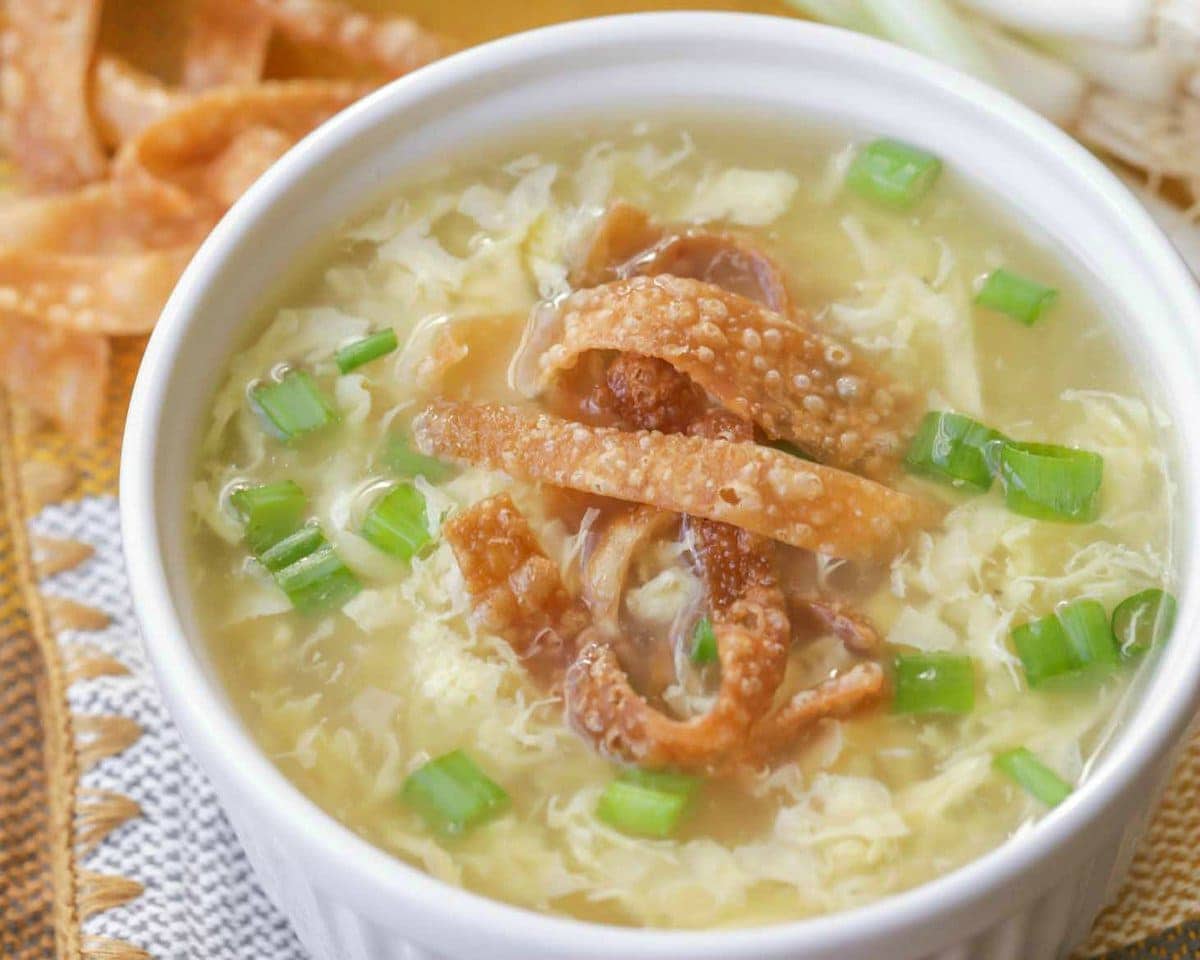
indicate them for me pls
(744, 66)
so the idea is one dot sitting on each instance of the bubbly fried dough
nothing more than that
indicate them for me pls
(227, 44)
(760, 489)
(126, 100)
(793, 383)
(517, 590)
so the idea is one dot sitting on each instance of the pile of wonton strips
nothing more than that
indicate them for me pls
(122, 175)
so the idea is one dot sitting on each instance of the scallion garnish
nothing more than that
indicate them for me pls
(1024, 768)
(1143, 620)
(1018, 297)
(1049, 482)
(1073, 638)
(293, 405)
(319, 581)
(934, 683)
(640, 810)
(893, 173)
(704, 642)
(956, 449)
(665, 780)
(452, 794)
(397, 522)
(270, 512)
(295, 546)
(355, 354)
(400, 456)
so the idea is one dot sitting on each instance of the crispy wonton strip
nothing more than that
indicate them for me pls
(47, 61)
(863, 685)
(246, 159)
(126, 100)
(518, 592)
(227, 44)
(104, 218)
(627, 243)
(795, 384)
(63, 376)
(608, 565)
(750, 486)
(179, 148)
(121, 294)
(395, 45)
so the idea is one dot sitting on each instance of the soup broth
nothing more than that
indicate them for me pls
(350, 702)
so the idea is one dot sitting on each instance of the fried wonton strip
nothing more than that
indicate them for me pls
(119, 295)
(178, 149)
(750, 486)
(394, 45)
(246, 159)
(856, 632)
(752, 636)
(627, 243)
(126, 100)
(104, 218)
(517, 591)
(794, 383)
(227, 44)
(48, 49)
(863, 685)
(62, 376)
(607, 566)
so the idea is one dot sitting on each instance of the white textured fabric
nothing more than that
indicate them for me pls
(201, 900)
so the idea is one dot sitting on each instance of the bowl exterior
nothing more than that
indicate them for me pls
(1033, 898)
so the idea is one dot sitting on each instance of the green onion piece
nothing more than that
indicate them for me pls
(644, 811)
(400, 457)
(451, 793)
(1014, 295)
(355, 354)
(665, 781)
(1050, 482)
(269, 512)
(318, 582)
(294, 405)
(791, 450)
(1073, 638)
(893, 173)
(1143, 620)
(704, 642)
(1021, 766)
(955, 449)
(396, 523)
(291, 548)
(934, 683)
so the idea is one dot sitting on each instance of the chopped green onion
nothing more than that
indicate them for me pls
(270, 512)
(934, 683)
(291, 548)
(318, 582)
(1076, 636)
(451, 793)
(641, 810)
(1143, 620)
(893, 173)
(355, 354)
(400, 457)
(704, 642)
(666, 781)
(294, 405)
(956, 449)
(396, 523)
(1050, 482)
(1021, 766)
(1014, 295)
(791, 450)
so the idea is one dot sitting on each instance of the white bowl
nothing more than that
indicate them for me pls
(1035, 896)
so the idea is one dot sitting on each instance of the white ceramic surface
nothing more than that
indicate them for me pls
(1030, 899)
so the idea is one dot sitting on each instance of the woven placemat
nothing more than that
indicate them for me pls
(111, 845)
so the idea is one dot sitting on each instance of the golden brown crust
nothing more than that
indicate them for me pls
(744, 484)
(795, 384)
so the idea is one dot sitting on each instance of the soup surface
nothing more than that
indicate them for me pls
(886, 774)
